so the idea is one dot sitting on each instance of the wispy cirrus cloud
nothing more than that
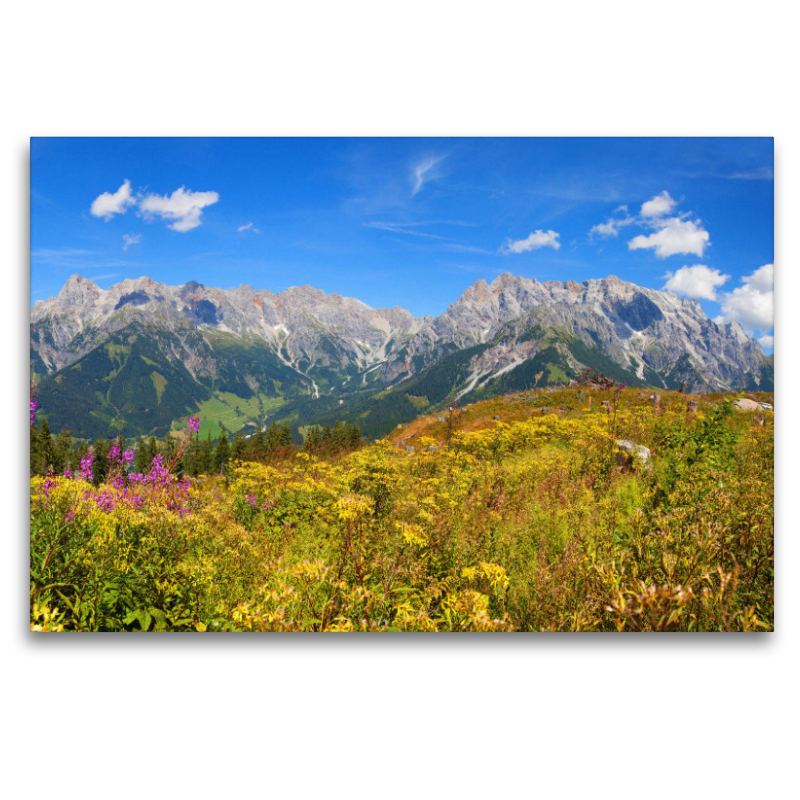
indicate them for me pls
(424, 171)
(408, 228)
(248, 227)
(129, 239)
(533, 241)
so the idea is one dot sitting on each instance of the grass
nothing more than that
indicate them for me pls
(530, 522)
(234, 412)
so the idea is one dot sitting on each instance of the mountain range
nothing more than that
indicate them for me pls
(140, 357)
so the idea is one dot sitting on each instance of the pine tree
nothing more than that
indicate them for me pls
(45, 456)
(222, 453)
(100, 463)
(239, 448)
(326, 442)
(140, 464)
(258, 447)
(353, 436)
(63, 446)
(34, 451)
(312, 439)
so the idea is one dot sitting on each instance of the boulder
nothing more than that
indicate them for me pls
(634, 451)
(743, 404)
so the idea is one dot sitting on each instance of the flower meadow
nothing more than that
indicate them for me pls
(524, 515)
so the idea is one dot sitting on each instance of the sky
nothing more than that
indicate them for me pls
(411, 221)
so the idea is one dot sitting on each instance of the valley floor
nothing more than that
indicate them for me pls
(522, 513)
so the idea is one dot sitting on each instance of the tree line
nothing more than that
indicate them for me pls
(51, 454)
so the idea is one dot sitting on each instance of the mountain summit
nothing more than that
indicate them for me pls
(141, 355)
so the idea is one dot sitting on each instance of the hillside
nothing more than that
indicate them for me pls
(539, 511)
(139, 358)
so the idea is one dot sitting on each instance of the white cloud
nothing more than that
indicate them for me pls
(183, 207)
(675, 236)
(751, 305)
(767, 342)
(696, 281)
(424, 171)
(670, 235)
(130, 238)
(534, 241)
(611, 227)
(107, 204)
(660, 205)
(248, 227)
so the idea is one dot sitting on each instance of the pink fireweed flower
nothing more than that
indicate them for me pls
(86, 466)
(67, 473)
(194, 424)
(113, 453)
(128, 456)
(34, 402)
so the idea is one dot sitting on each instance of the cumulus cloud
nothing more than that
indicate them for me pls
(130, 238)
(658, 206)
(668, 234)
(674, 236)
(612, 226)
(697, 281)
(767, 342)
(183, 207)
(248, 227)
(423, 172)
(108, 204)
(534, 241)
(751, 305)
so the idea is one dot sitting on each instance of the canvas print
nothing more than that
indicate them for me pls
(401, 385)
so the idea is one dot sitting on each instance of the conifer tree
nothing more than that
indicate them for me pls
(312, 439)
(239, 448)
(152, 452)
(100, 463)
(258, 446)
(204, 456)
(62, 449)
(45, 456)
(140, 463)
(34, 451)
(326, 440)
(222, 453)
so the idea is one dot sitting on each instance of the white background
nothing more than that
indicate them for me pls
(551, 716)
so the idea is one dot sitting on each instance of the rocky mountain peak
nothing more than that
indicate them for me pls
(78, 291)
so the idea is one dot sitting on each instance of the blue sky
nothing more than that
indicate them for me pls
(409, 221)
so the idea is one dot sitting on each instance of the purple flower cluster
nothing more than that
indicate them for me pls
(85, 471)
(194, 424)
(115, 456)
(107, 501)
(34, 406)
(252, 501)
(131, 491)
